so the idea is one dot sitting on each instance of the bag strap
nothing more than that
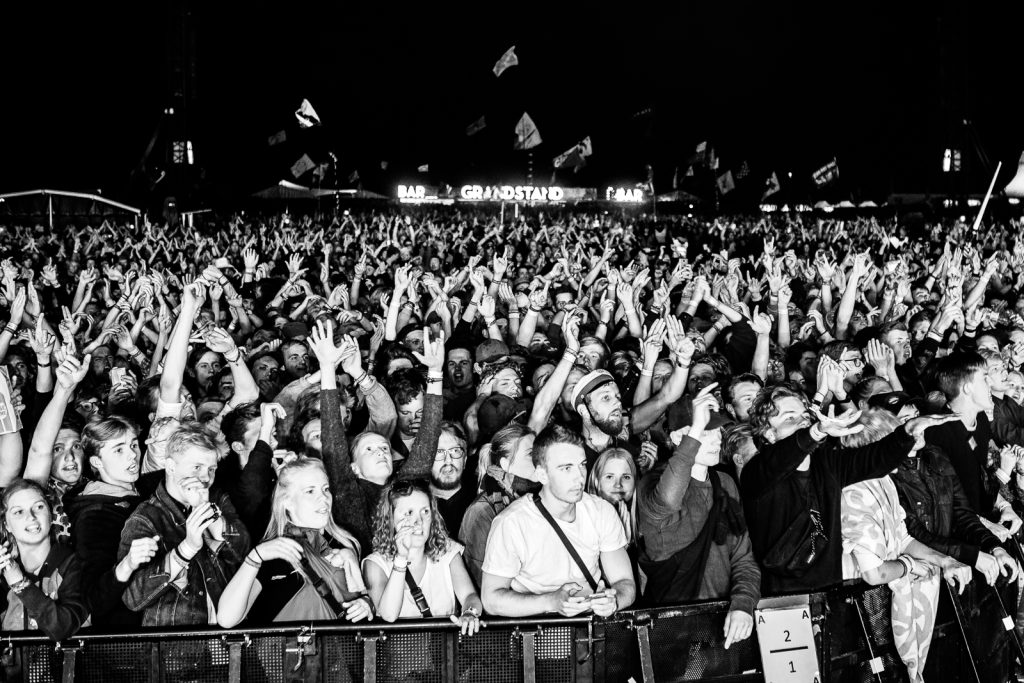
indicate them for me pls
(321, 587)
(417, 594)
(565, 541)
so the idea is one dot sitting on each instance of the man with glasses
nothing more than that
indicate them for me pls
(453, 495)
(851, 363)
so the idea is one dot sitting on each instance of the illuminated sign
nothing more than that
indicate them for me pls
(511, 193)
(624, 194)
(412, 192)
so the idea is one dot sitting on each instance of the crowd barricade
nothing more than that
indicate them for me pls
(851, 628)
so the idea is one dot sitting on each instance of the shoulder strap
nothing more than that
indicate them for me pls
(321, 587)
(417, 594)
(565, 541)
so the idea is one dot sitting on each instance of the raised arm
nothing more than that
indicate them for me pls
(177, 351)
(547, 398)
(424, 448)
(40, 453)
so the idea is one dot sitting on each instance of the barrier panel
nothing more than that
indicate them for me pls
(851, 627)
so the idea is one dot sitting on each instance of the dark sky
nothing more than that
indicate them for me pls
(883, 86)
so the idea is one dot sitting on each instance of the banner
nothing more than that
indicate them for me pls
(575, 157)
(726, 184)
(826, 174)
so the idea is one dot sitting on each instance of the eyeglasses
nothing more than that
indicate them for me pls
(456, 453)
(853, 362)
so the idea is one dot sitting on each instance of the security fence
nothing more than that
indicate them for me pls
(850, 624)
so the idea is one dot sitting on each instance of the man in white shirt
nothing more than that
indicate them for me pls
(527, 569)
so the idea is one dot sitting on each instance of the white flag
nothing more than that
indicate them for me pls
(302, 165)
(307, 115)
(425, 168)
(586, 149)
(508, 59)
(527, 135)
(771, 186)
(702, 147)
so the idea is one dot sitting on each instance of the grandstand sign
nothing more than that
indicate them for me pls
(511, 193)
(624, 194)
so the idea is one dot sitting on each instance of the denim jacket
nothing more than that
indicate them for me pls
(163, 599)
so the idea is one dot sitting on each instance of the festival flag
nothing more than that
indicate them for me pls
(307, 115)
(689, 171)
(507, 60)
(383, 164)
(425, 168)
(354, 177)
(1016, 186)
(743, 172)
(826, 174)
(771, 186)
(576, 156)
(476, 126)
(712, 159)
(320, 171)
(726, 184)
(702, 147)
(302, 165)
(277, 138)
(527, 135)
(675, 179)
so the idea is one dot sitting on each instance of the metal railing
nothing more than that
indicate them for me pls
(851, 626)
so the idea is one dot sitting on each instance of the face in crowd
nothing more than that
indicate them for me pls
(449, 462)
(460, 368)
(603, 405)
(564, 472)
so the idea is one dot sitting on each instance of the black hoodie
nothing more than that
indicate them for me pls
(97, 518)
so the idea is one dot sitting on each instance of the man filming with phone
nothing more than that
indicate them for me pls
(562, 550)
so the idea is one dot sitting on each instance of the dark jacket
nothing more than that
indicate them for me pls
(250, 487)
(938, 513)
(58, 617)
(96, 524)
(672, 509)
(150, 589)
(968, 453)
(1007, 422)
(355, 498)
(775, 493)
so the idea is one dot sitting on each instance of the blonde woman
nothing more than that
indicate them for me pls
(614, 477)
(416, 570)
(306, 568)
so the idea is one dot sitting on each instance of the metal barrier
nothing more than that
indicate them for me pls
(851, 627)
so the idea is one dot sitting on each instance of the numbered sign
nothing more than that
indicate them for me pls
(786, 639)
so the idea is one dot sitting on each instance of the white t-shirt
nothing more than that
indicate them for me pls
(523, 547)
(436, 583)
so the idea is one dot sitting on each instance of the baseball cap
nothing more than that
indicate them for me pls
(895, 401)
(294, 330)
(498, 411)
(490, 350)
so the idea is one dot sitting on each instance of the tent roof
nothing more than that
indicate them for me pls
(289, 190)
(73, 195)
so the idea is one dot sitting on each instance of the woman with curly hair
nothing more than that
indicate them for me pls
(416, 570)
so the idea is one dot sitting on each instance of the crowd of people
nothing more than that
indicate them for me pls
(398, 415)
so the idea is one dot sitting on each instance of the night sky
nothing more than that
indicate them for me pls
(785, 86)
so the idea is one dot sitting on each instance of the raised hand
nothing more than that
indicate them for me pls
(837, 426)
(679, 344)
(487, 307)
(761, 324)
(219, 341)
(654, 339)
(351, 361)
(321, 343)
(433, 351)
(571, 330)
(71, 372)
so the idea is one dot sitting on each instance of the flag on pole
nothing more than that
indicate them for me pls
(320, 171)
(383, 164)
(712, 159)
(476, 126)
(771, 186)
(826, 174)
(575, 157)
(425, 168)
(307, 115)
(277, 138)
(689, 171)
(508, 59)
(302, 165)
(675, 179)
(726, 184)
(354, 176)
(527, 135)
(743, 172)
(702, 147)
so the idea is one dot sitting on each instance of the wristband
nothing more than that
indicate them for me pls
(497, 282)
(232, 361)
(12, 329)
(816, 433)
(535, 310)
(19, 586)
(184, 560)
(256, 550)
(252, 563)
(513, 315)
(434, 380)
(400, 564)
(471, 611)
(222, 281)
(489, 322)
(647, 373)
(42, 365)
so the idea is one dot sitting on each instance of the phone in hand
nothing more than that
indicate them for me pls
(117, 376)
